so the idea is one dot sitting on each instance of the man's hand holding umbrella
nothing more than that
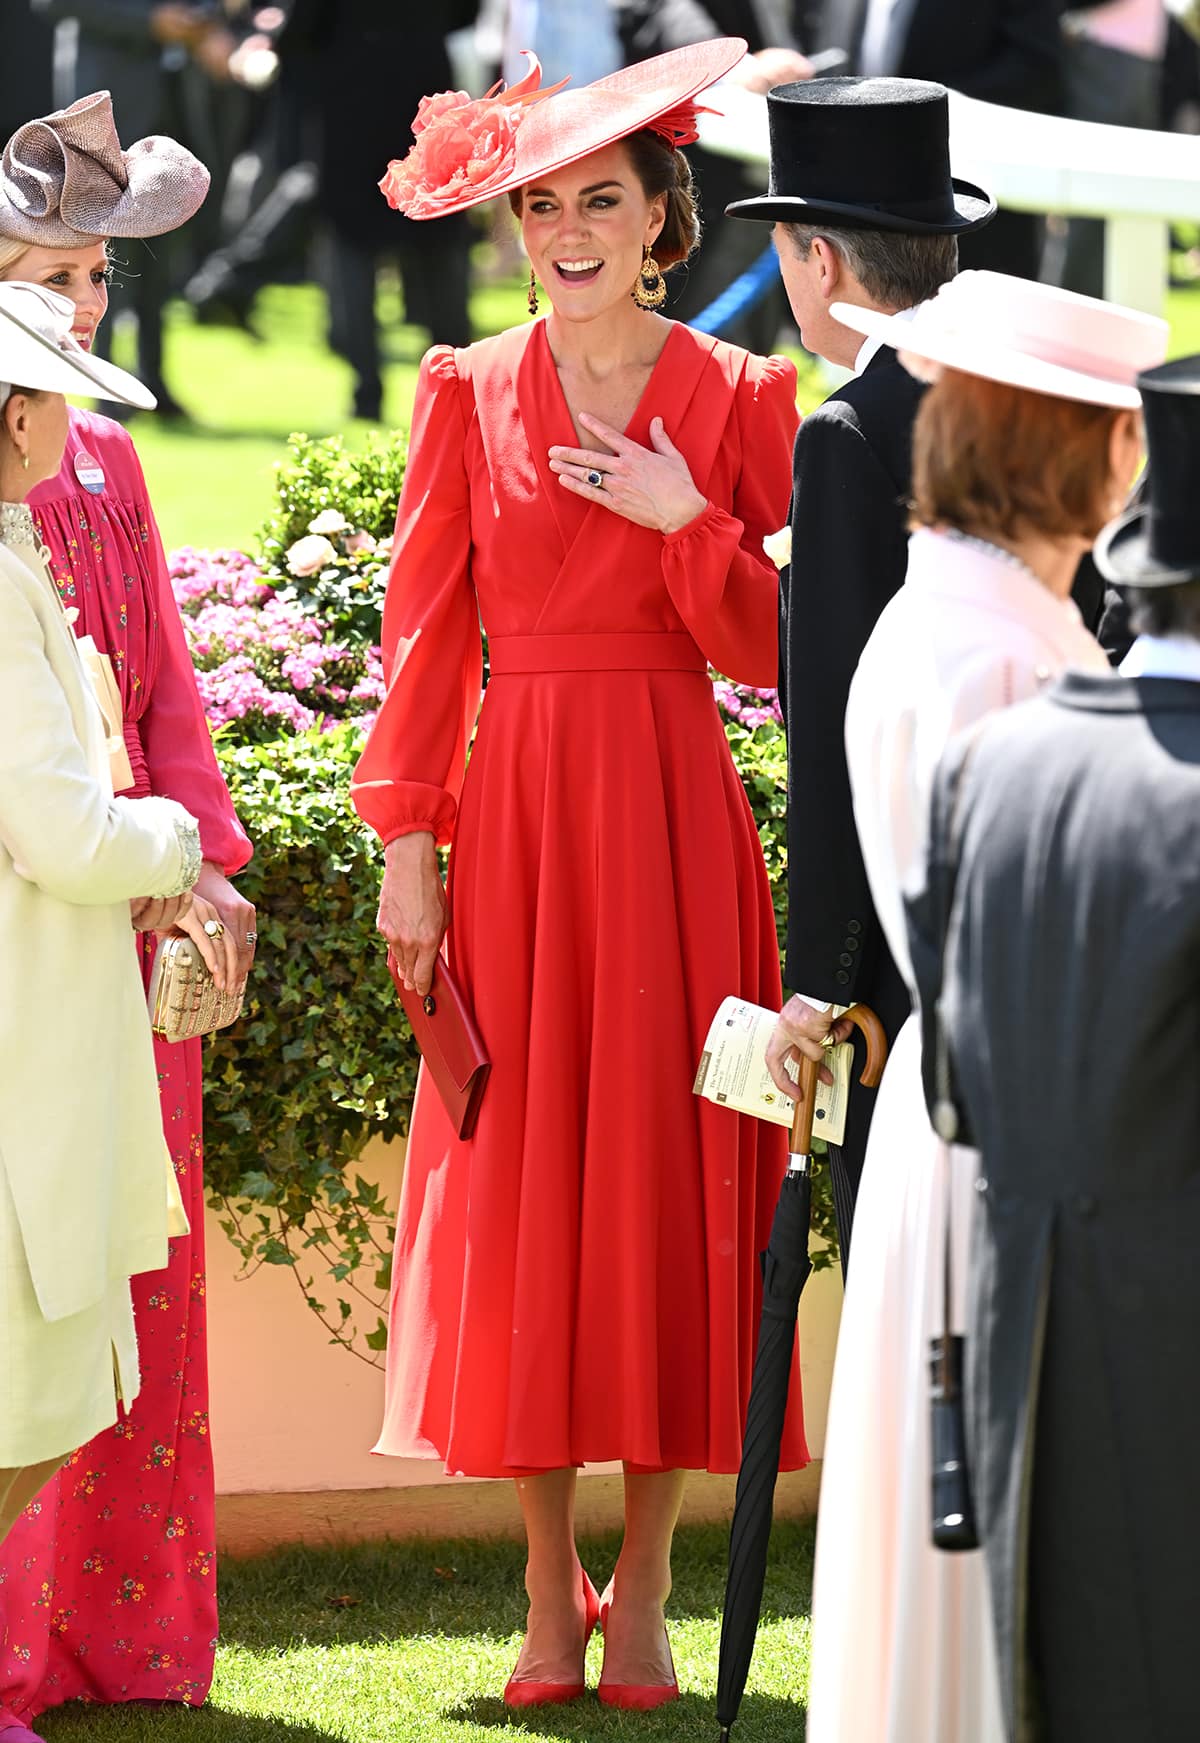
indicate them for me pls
(804, 1031)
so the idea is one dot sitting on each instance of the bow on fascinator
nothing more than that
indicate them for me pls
(64, 178)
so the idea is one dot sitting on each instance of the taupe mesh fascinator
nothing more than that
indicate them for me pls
(64, 180)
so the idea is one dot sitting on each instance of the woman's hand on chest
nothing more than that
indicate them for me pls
(650, 486)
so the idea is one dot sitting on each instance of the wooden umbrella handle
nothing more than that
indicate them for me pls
(872, 1031)
(806, 1107)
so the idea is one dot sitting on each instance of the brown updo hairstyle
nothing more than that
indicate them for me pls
(1002, 461)
(661, 170)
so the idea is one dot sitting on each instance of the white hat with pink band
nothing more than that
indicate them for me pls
(1032, 336)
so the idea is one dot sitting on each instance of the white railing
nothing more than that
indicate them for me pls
(1137, 181)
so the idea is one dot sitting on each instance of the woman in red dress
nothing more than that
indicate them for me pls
(579, 1281)
(108, 1581)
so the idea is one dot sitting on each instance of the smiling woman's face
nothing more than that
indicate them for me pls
(584, 230)
(78, 273)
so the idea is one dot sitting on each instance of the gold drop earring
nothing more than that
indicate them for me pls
(650, 291)
(533, 302)
(25, 461)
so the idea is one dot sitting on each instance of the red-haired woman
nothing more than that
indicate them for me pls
(1023, 447)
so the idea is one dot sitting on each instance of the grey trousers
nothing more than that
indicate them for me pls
(1123, 90)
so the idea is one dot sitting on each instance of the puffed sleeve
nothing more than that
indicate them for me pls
(180, 758)
(411, 771)
(721, 581)
(58, 825)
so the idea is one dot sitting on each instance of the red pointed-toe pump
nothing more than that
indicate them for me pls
(520, 1692)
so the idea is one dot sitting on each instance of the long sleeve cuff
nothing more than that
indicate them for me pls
(395, 808)
(708, 514)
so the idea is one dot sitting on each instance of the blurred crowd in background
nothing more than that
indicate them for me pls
(298, 107)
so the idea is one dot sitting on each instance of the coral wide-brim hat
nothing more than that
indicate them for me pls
(470, 150)
(65, 180)
(1032, 336)
(38, 350)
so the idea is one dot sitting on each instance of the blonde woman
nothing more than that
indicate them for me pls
(66, 185)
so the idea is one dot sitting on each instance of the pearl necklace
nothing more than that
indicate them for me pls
(997, 553)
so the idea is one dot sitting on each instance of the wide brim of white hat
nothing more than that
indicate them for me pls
(978, 354)
(29, 359)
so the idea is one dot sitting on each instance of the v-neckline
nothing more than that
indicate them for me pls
(635, 417)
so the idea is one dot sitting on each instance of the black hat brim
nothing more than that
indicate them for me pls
(973, 208)
(1123, 555)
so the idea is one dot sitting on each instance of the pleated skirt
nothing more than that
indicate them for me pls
(580, 1281)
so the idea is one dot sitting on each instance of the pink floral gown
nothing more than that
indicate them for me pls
(108, 1582)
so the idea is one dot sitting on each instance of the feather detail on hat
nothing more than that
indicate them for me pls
(461, 145)
(678, 127)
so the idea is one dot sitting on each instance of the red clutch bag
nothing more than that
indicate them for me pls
(444, 1030)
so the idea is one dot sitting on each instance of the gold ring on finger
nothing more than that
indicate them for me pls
(214, 929)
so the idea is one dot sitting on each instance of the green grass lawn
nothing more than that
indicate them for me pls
(413, 1642)
(210, 479)
(210, 476)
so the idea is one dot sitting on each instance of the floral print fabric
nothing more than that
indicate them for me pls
(108, 1581)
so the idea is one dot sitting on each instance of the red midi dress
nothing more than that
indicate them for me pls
(579, 1282)
(108, 1581)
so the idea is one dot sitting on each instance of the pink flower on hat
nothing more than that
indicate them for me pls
(461, 145)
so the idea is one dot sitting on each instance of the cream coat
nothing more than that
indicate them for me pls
(81, 1143)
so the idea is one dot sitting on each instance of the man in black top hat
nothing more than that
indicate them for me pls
(999, 51)
(865, 211)
(1061, 930)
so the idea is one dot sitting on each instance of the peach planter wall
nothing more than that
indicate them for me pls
(294, 1418)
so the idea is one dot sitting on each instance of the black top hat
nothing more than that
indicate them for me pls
(1157, 544)
(868, 153)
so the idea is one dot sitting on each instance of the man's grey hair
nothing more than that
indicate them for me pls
(897, 270)
(1166, 610)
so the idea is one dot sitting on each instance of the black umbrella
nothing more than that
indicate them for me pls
(786, 1268)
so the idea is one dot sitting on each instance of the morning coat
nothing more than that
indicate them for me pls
(851, 486)
(851, 476)
(1071, 999)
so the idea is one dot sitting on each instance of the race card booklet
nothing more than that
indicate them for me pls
(733, 1072)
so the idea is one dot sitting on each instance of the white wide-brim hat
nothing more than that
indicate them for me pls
(38, 350)
(1032, 336)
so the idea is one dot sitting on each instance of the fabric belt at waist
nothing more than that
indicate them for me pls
(667, 651)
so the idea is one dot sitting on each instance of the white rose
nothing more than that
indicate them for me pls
(330, 520)
(778, 547)
(309, 554)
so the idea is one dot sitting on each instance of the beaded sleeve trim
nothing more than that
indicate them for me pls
(16, 525)
(191, 857)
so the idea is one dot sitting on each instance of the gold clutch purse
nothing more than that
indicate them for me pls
(184, 999)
